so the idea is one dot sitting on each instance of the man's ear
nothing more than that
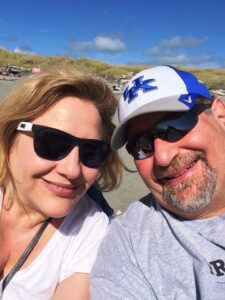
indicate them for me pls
(218, 109)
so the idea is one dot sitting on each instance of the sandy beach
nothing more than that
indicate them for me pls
(132, 187)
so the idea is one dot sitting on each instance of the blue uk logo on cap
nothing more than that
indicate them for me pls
(147, 85)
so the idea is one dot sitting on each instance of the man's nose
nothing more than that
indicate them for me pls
(164, 152)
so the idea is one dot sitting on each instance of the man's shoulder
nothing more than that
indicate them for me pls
(145, 204)
(138, 212)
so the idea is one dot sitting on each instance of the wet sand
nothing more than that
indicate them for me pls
(6, 86)
(132, 187)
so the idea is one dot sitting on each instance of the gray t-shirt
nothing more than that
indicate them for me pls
(150, 254)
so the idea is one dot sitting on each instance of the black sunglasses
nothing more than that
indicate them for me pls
(171, 128)
(54, 144)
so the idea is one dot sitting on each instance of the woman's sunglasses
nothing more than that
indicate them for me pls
(54, 144)
(171, 128)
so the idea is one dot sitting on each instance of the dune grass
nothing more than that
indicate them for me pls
(214, 78)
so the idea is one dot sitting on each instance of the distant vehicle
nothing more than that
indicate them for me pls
(116, 88)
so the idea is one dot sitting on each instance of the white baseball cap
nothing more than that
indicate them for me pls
(162, 88)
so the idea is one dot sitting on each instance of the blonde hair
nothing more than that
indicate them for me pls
(37, 93)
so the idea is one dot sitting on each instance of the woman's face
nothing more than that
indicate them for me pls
(51, 188)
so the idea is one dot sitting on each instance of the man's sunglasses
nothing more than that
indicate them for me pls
(171, 128)
(54, 144)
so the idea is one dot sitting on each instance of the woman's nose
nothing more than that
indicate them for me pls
(164, 152)
(70, 165)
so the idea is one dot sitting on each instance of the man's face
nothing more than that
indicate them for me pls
(186, 176)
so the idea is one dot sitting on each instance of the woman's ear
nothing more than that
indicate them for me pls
(218, 109)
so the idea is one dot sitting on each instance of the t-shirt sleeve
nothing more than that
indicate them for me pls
(85, 240)
(115, 274)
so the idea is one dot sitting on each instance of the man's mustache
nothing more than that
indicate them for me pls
(179, 162)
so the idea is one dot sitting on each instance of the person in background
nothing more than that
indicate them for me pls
(8, 70)
(170, 244)
(55, 129)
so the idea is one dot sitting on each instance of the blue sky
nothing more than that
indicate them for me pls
(184, 32)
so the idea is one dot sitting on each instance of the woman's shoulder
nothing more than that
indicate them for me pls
(86, 213)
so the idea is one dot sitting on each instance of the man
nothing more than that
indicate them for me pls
(170, 244)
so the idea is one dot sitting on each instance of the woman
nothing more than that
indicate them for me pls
(55, 129)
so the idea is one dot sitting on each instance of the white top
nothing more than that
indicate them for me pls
(72, 248)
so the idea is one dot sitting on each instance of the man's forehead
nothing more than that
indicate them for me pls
(144, 122)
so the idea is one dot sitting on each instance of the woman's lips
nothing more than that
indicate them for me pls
(61, 189)
(180, 175)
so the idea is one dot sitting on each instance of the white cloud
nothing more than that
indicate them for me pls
(80, 46)
(99, 43)
(182, 42)
(153, 51)
(178, 59)
(174, 43)
(104, 43)
(24, 50)
(183, 51)
(188, 60)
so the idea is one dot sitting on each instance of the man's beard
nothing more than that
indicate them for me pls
(204, 189)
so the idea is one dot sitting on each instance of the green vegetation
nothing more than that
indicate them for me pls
(214, 78)
(82, 64)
